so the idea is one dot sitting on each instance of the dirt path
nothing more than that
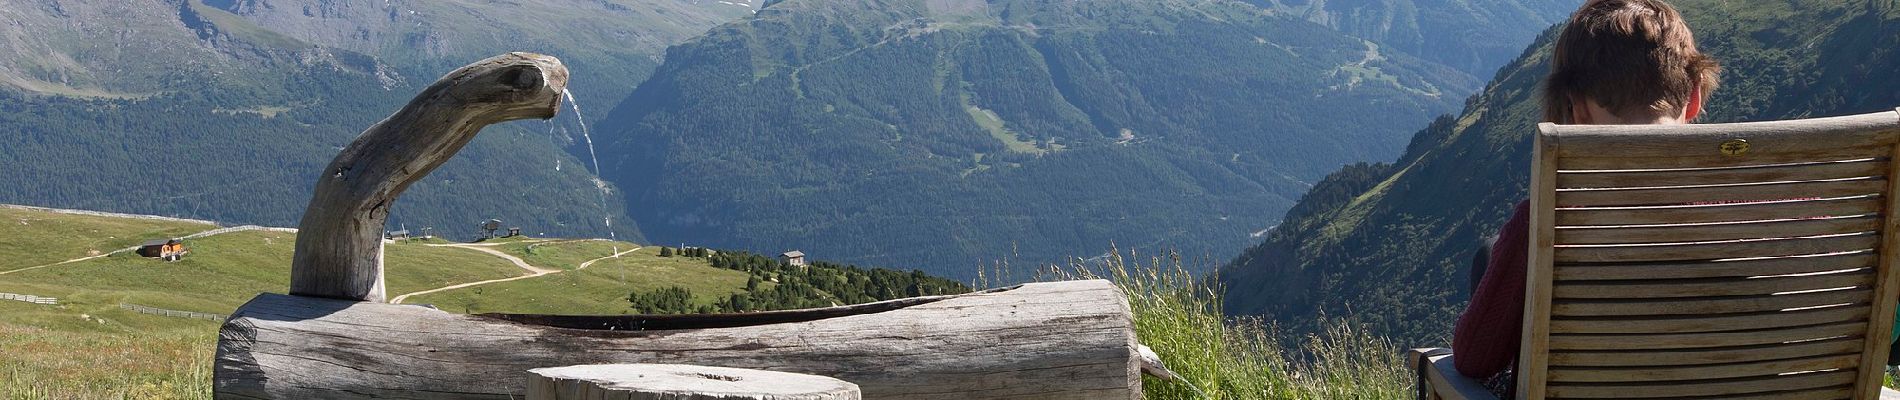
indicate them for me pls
(57, 263)
(511, 258)
(534, 271)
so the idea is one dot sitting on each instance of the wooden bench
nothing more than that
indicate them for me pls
(1733, 261)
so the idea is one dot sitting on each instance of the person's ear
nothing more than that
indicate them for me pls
(1579, 111)
(1694, 109)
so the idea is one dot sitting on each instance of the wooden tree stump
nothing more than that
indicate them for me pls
(1043, 341)
(681, 382)
(340, 240)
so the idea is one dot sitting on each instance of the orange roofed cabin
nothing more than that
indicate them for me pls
(168, 250)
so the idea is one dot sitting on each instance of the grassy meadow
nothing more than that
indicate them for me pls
(562, 254)
(600, 289)
(39, 237)
(88, 347)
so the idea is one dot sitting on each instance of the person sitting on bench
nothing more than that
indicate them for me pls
(1617, 62)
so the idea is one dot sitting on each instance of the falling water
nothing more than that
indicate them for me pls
(606, 216)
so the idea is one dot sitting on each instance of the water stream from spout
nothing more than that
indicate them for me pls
(607, 217)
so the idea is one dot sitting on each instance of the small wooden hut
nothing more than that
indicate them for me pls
(165, 249)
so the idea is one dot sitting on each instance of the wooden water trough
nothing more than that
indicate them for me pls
(334, 337)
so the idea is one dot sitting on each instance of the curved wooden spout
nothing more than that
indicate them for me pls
(340, 241)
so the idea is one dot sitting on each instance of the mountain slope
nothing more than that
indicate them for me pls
(1476, 36)
(608, 45)
(225, 110)
(1390, 244)
(941, 134)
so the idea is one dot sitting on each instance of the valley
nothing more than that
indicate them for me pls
(951, 134)
(1304, 181)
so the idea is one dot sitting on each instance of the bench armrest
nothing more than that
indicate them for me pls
(1434, 366)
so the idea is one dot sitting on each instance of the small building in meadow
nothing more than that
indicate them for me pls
(794, 258)
(164, 249)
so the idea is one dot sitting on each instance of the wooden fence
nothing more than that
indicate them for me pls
(29, 298)
(170, 313)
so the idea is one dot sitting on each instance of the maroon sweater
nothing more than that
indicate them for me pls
(1485, 341)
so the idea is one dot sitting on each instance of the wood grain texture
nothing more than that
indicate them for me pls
(1699, 340)
(1443, 380)
(680, 382)
(1637, 358)
(1601, 162)
(1764, 138)
(1752, 287)
(1873, 363)
(1717, 232)
(1707, 213)
(339, 247)
(1724, 389)
(1534, 352)
(1704, 372)
(1726, 193)
(1064, 340)
(1713, 323)
(1716, 269)
(1765, 247)
(1707, 305)
(1724, 176)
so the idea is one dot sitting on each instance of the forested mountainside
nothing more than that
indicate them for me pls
(226, 110)
(942, 134)
(609, 46)
(1475, 36)
(1390, 244)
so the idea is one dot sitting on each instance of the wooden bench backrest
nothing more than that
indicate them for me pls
(1729, 261)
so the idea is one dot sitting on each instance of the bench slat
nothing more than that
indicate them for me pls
(1708, 305)
(1727, 193)
(1845, 153)
(1720, 323)
(1692, 214)
(1704, 356)
(1713, 269)
(1718, 250)
(1700, 372)
(1763, 286)
(1716, 232)
(1782, 173)
(1664, 341)
(1724, 388)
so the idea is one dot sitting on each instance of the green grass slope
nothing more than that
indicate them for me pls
(224, 271)
(600, 289)
(87, 346)
(39, 237)
(1389, 245)
(563, 254)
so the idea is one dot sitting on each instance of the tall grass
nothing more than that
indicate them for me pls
(1180, 317)
(52, 364)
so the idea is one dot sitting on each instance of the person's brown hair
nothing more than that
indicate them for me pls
(1633, 57)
